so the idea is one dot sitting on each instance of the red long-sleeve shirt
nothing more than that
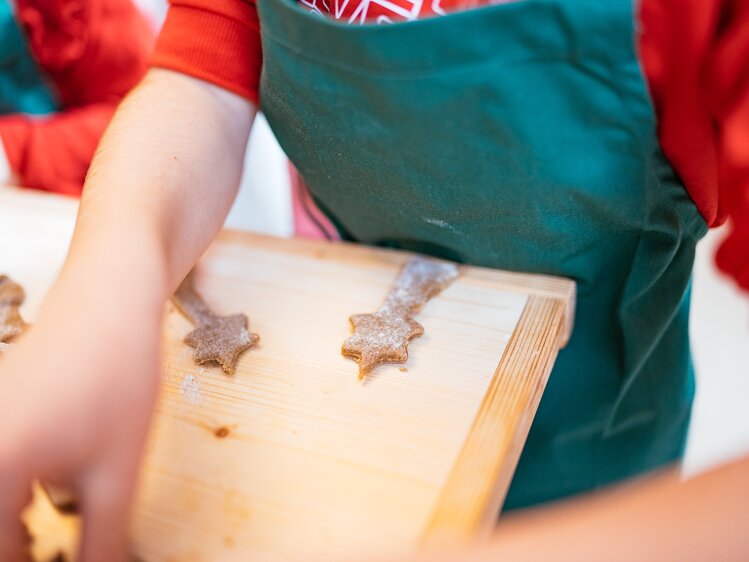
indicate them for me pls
(695, 55)
(92, 52)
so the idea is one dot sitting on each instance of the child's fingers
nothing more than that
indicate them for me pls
(14, 540)
(106, 509)
(15, 494)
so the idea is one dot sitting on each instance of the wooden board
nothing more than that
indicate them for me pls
(293, 454)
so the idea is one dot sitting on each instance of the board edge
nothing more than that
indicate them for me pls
(468, 505)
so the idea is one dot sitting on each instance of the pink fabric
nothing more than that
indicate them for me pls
(309, 221)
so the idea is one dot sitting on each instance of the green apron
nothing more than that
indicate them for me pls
(517, 136)
(23, 88)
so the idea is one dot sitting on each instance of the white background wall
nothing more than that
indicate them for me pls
(720, 341)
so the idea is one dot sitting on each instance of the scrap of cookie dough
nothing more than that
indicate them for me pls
(216, 338)
(383, 337)
(53, 534)
(11, 299)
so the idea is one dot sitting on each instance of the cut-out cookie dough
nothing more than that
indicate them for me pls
(11, 299)
(383, 337)
(53, 535)
(216, 338)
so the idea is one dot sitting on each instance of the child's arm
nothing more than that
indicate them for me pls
(77, 391)
(656, 520)
(661, 519)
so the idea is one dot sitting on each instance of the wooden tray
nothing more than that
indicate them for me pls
(293, 453)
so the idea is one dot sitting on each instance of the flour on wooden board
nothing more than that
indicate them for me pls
(189, 387)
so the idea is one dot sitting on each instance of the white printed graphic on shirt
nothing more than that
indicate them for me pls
(436, 8)
(395, 10)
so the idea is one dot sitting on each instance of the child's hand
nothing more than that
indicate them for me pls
(77, 391)
(75, 400)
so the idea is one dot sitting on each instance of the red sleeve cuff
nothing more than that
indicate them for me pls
(214, 40)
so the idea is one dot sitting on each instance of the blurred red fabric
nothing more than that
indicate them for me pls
(92, 52)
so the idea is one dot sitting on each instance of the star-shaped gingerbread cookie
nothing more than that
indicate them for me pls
(378, 338)
(383, 337)
(216, 338)
(222, 340)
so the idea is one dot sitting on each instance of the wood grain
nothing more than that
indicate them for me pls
(347, 466)
(293, 454)
(474, 492)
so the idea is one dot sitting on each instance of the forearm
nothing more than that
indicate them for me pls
(159, 188)
(660, 519)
